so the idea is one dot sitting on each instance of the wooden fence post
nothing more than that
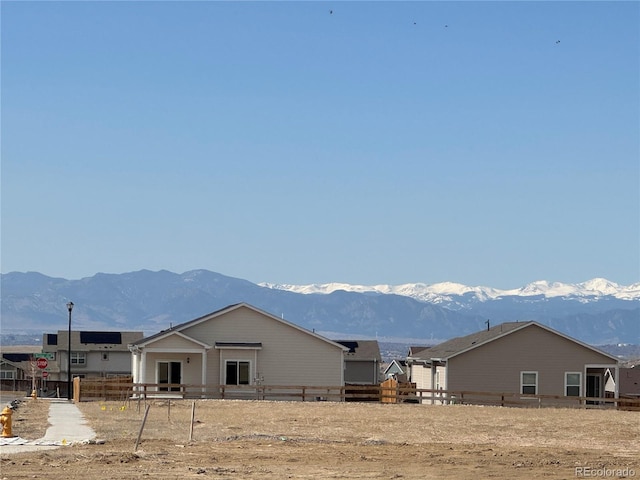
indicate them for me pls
(144, 420)
(193, 416)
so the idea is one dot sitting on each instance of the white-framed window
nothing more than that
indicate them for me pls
(529, 383)
(78, 358)
(237, 372)
(7, 374)
(572, 384)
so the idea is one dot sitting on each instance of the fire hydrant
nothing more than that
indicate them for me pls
(34, 395)
(5, 420)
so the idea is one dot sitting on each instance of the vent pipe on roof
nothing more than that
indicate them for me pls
(488, 325)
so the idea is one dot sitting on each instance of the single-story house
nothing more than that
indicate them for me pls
(238, 345)
(12, 370)
(16, 362)
(361, 362)
(514, 357)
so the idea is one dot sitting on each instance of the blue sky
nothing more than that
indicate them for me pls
(386, 142)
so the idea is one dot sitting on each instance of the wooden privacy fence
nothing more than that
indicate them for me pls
(388, 392)
(117, 388)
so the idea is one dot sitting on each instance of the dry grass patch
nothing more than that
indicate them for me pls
(31, 419)
(220, 420)
(254, 440)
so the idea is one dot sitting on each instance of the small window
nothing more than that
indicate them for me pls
(529, 383)
(7, 374)
(237, 373)
(78, 358)
(572, 384)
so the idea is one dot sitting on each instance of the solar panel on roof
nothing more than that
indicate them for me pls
(101, 337)
(16, 357)
(350, 345)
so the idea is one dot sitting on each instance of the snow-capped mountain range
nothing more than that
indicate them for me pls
(445, 293)
(597, 311)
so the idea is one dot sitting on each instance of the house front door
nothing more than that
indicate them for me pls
(594, 386)
(169, 373)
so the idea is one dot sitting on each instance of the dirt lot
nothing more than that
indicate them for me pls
(258, 440)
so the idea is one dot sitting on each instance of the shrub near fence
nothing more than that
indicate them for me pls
(123, 388)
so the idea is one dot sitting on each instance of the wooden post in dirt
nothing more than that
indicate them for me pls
(169, 410)
(144, 420)
(193, 416)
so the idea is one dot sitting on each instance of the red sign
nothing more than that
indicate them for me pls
(45, 374)
(42, 363)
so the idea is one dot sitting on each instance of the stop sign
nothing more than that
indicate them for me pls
(42, 363)
(45, 374)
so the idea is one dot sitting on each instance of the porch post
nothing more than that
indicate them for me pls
(134, 366)
(433, 377)
(143, 369)
(204, 372)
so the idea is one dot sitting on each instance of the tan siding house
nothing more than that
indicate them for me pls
(238, 345)
(514, 357)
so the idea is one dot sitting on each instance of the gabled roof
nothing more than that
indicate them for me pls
(6, 361)
(459, 345)
(398, 364)
(205, 318)
(361, 349)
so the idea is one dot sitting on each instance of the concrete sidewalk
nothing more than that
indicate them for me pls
(66, 426)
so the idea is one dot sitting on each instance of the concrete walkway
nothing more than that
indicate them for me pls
(66, 426)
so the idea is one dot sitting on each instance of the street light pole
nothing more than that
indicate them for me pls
(69, 307)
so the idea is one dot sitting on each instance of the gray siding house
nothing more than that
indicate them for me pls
(514, 357)
(93, 353)
(238, 345)
(361, 362)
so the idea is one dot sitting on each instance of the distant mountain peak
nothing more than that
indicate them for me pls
(601, 285)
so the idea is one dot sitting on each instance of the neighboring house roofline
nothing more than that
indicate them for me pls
(397, 363)
(145, 341)
(10, 363)
(496, 332)
(94, 340)
(362, 350)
